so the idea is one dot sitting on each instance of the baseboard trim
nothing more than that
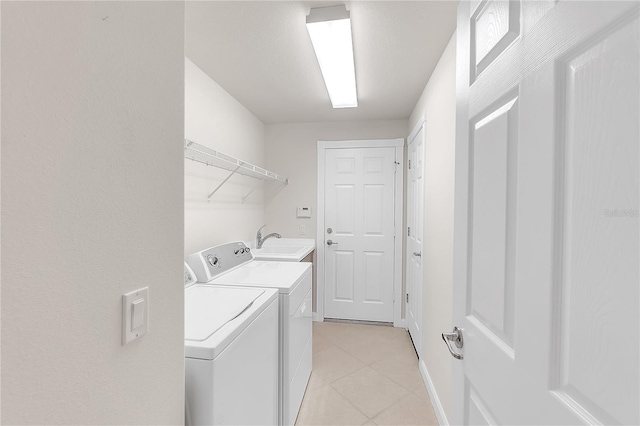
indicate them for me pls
(433, 395)
(360, 322)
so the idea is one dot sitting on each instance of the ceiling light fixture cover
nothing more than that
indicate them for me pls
(330, 32)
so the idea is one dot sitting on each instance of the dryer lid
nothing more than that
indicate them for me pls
(209, 308)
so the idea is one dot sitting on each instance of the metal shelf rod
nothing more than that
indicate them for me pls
(223, 182)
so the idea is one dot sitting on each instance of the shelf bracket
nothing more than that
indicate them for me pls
(253, 189)
(224, 181)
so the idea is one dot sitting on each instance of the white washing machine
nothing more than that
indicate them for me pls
(231, 355)
(232, 265)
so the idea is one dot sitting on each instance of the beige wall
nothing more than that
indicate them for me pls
(438, 105)
(215, 119)
(291, 150)
(92, 192)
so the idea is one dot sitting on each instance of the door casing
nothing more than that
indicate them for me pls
(398, 144)
(417, 340)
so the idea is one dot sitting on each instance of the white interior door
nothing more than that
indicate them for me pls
(546, 222)
(359, 251)
(415, 220)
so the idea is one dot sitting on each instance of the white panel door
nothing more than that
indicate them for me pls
(546, 221)
(359, 233)
(415, 220)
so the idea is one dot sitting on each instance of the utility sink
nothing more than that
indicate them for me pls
(284, 249)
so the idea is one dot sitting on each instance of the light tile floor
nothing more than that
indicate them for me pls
(364, 375)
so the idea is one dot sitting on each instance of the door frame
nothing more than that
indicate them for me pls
(420, 125)
(398, 266)
(461, 203)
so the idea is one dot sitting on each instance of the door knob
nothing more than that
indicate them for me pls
(456, 337)
(331, 243)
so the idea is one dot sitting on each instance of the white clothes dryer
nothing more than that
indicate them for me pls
(231, 355)
(232, 264)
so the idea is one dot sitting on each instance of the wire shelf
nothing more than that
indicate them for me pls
(211, 157)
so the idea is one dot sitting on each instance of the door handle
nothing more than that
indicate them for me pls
(416, 253)
(456, 337)
(331, 243)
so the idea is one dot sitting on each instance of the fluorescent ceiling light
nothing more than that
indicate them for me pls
(330, 32)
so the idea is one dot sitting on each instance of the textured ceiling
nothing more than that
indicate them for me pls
(260, 52)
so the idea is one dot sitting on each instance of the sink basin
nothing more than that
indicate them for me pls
(284, 249)
(291, 250)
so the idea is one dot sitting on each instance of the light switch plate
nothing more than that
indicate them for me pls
(135, 305)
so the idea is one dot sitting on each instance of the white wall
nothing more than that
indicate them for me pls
(438, 105)
(92, 192)
(215, 119)
(291, 150)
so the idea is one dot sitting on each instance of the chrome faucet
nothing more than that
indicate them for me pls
(260, 241)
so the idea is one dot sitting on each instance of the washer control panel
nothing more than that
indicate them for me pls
(241, 251)
(208, 264)
(213, 261)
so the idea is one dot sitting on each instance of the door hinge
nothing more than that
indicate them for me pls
(409, 163)
(407, 297)
(408, 231)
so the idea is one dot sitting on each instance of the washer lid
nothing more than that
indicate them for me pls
(209, 308)
(281, 275)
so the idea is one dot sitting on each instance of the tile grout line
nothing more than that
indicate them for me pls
(348, 374)
(393, 405)
(397, 382)
(350, 403)
(409, 392)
